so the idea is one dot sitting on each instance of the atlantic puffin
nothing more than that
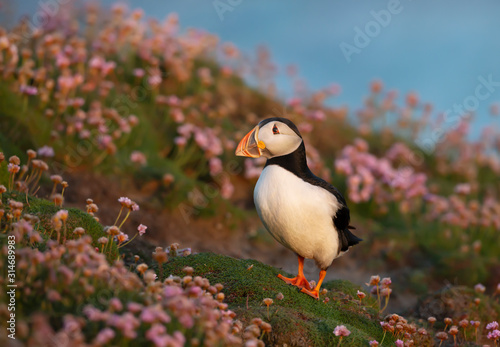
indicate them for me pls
(300, 210)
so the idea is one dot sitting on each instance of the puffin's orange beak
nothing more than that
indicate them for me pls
(250, 146)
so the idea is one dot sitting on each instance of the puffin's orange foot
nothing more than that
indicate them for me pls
(314, 293)
(299, 281)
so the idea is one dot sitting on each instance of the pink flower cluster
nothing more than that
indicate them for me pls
(406, 333)
(380, 180)
(86, 94)
(205, 138)
(493, 332)
(369, 177)
(464, 212)
(162, 313)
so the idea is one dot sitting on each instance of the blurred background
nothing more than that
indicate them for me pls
(397, 102)
(438, 49)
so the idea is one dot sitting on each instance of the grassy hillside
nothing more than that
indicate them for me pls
(296, 319)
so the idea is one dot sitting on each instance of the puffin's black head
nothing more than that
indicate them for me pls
(272, 137)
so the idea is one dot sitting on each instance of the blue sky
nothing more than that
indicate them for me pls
(437, 48)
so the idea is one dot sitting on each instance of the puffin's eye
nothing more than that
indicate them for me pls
(275, 130)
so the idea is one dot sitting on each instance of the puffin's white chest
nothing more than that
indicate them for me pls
(298, 214)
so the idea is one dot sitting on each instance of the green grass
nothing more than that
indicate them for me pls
(298, 319)
(45, 209)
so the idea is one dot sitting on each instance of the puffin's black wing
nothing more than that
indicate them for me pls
(342, 217)
(347, 239)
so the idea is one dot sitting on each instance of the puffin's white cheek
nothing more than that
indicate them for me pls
(283, 145)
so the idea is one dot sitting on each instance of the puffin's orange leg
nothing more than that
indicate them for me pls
(315, 292)
(299, 281)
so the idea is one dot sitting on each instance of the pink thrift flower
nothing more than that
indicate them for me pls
(178, 339)
(294, 102)
(205, 76)
(61, 214)
(85, 134)
(492, 326)
(108, 67)
(479, 288)
(28, 90)
(201, 138)
(46, 151)
(227, 188)
(138, 157)
(180, 141)
(154, 80)
(4, 42)
(155, 331)
(138, 73)
(361, 145)
(494, 335)
(226, 71)
(62, 61)
(341, 330)
(215, 166)
(66, 82)
(163, 317)
(92, 313)
(13, 168)
(173, 100)
(186, 130)
(305, 127)
(127, 323)
(142, 229)
(53, 295)
(96, 63)
(104, 336)
(115, 304)
(172, 291)
(161, 340)
(195, 291)
(252, 169)
(343, 167)
(386, 282)
(147, 315)
(316, 115)
(464, 189)
(134, 307)
(177, 115)
(126, 202)
(133, 120)
(129, 333)
(124, 125)
(186, 320)
(385, 292)
(122, 237)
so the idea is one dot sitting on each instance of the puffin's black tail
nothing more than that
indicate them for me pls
(347, 239)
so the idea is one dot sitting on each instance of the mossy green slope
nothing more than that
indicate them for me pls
(297, 320)
(45, 209)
